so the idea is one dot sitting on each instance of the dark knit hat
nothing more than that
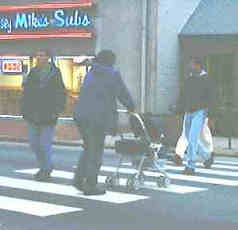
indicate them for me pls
(106, 57)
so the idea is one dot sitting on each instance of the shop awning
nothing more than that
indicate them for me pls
(213, 18)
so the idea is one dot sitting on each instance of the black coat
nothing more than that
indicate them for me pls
(42, 104)
(198, 93)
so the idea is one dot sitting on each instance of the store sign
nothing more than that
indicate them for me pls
(33, 21)
(46, 19)
(11, 66)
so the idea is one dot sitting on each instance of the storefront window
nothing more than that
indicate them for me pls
(14, 70)
(73, 70)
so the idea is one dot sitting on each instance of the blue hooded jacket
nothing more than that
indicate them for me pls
(98, 96)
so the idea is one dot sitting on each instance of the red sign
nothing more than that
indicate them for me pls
(12, 66)
(46, 20)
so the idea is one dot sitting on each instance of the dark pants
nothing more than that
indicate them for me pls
(40, 137)
(90, 160)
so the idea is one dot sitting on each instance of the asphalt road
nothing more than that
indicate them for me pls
(205, 201)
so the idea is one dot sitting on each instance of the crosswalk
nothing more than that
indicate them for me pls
(222, 173)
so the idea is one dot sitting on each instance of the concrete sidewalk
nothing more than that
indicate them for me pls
(220, 145)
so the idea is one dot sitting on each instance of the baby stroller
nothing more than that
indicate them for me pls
(143, 147)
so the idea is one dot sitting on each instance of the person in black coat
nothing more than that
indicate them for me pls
(196, 102)
(43, 99)
(96, 114)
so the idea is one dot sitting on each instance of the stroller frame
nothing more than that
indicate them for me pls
(136, 180)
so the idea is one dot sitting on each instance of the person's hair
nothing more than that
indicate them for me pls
(106, 57)
(46, 51)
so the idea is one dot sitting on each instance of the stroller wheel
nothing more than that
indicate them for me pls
(163, 182)
(133, 183)
(111, 181)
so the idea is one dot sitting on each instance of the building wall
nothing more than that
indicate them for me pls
(172, 18)
(118, 27)
(152, 58)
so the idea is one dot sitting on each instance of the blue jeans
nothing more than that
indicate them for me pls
(40, 137)
(194, 123)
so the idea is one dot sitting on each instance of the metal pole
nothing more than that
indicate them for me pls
(143, 54)
(229, 142)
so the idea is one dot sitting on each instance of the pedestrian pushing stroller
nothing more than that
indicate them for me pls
(143, 147)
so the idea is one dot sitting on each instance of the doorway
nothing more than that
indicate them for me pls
(222, 69)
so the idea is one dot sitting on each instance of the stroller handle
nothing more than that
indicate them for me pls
(132, 113)
(122, 111)
(126, 111)
(139, 119)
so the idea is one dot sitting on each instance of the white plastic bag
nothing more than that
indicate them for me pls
(205, 140)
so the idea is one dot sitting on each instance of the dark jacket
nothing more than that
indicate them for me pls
(98, 97)
(41, 103)
(198, 93)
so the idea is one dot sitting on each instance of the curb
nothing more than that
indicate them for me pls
(220, 153)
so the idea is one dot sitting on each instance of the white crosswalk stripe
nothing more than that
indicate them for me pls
(35, 208)
(207, 171)
(220, 164)
(227, 162)
(229, 167)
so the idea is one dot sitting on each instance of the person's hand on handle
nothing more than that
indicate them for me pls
(131, 111)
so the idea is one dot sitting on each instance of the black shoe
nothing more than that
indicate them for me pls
(42, 175)
(90, 191)
(78, 186)
(178, 160)
(208, 163)
(79, 183)
(189, 171)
